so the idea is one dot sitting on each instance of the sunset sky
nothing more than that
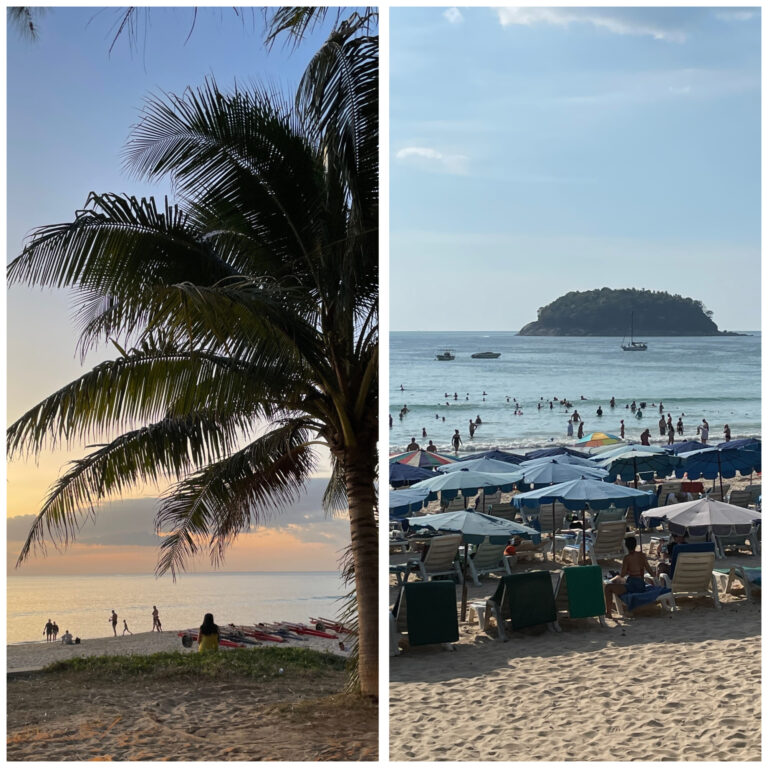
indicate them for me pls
(71, 105)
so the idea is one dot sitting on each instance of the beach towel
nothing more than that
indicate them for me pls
(431, 612)
(585, 591)
(529, 599)
(636, 599)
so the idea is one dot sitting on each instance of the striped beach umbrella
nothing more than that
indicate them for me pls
(595, 439)
(421, 458)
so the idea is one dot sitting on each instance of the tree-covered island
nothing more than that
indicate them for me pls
(607, 312)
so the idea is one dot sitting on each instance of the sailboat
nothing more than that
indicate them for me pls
(633, 346)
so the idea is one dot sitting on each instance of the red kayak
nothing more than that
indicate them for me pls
(303, 630)
(224, 643)
(259, 635)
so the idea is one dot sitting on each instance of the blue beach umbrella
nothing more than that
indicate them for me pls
(684, 447)
(406, 501)
(562, 458)
(552, 472)
(749, 443)
(629, 463)
(509, 458)
(617, 450)
(556, 450)
(481, 465)
(447, 486)
(404, 474)
(585, 492)
(723, 462)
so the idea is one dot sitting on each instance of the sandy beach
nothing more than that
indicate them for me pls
(290, 717)
(659, 686)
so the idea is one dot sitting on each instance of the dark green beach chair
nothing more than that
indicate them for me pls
(580, 593)
(427, 612)
(523, 600)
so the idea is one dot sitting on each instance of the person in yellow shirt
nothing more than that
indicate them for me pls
(208, 636)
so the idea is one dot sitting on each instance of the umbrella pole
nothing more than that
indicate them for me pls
(720, 472)
(464, 584)
(553, 531)
(583, 536)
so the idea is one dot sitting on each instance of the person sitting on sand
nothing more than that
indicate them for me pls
(125, 628)
(113, 619)
(208, 636)
(156, 625)
(632, 576)
(66, 638)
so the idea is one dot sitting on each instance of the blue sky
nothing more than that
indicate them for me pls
(70, 108)
(536, 151)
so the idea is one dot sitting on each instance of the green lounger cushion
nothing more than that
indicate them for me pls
(431, 612)
(530, 600)
(585, 591)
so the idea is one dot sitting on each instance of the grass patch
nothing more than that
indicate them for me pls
(256, 663)
(338, 704)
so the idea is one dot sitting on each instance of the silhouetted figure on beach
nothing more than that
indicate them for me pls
(613, 402)
(580, 433)
(569, 430)
(208, 636)
(413, 445)
(66, 638)
(670, 435)
(55, 631)
(48, 631)
(471, 429)
(645, 437)
(680, 425)
(156, 625)
(662, 426)
(125, 628)
(423, 431)
(113, 619)
(621, 430)
(599, 410)
(727, 433)
(456, 440)
(432, 447)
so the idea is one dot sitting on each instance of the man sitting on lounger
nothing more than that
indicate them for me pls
(632, 577)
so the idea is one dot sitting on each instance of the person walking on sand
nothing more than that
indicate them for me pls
(456, 440)
(48, 631)
(621, 430)
(113, 619)
(208, 636)
(125, 628)
(156, 625)
(55, 631)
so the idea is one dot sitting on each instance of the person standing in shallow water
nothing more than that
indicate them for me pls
(208, 636)
(456, 440)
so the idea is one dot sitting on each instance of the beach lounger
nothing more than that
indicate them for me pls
(738, 537)
(740, 498)
(454, 505)
(606, 543)
(579, 593)
(440, 559)
(610, 514)
(523, 600)
(427, 613)
(485, 500)
(692, 572)
(749, 577)
(488, 558)
(543, 517)
(630, 601)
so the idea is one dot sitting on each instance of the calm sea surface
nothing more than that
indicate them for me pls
(83, 604)
(716, 378)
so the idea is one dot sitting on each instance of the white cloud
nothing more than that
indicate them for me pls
(454, 16)
(431, 160)
(735, 15)
(612, 20)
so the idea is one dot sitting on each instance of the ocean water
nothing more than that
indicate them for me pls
(717, 378)
(83, 604)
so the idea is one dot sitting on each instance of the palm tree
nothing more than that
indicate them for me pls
(245, 318)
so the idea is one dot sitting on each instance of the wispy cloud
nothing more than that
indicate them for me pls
(430, 159)
(615, 20)
(735, 14)
(453, 15)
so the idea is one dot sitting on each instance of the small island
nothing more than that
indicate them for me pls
(607, 312)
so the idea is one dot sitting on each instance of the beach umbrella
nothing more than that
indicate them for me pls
(421, 458)
(406, 501)
(474, 527)
(750, 443)
(702, 513)
(480, 465)
(616, 450)
(629, 463)
(555, 450)
(562, 458)
(723, 462)
(495, 453)
(684, 447)
(595, 439)
(585, 492)
(405, 474)
(552, 473)
(447, 486)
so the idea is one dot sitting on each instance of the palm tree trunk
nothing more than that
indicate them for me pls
(361, 495)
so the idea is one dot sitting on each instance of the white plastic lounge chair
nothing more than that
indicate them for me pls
(544, 516)
(726, 577)
(607, 543)
(440, 559)
(740, 498)
(454, 505)
(488, 558)
(738, 537)
(693, 572)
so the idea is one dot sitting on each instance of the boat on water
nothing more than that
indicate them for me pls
(633, 346)
(486, 355)
(446, 355)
